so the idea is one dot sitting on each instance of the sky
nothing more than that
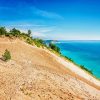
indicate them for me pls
(53, 19)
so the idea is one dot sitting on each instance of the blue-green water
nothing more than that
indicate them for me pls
(85, 53)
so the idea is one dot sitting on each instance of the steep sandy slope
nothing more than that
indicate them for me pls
(34, 74)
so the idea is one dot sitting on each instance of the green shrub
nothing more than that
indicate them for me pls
(15, 32)
(29, 33)
(29, 40)
(3, 31)
(69, 58)
(39, 42)
(6, 56)
(54, 47)
(86, 69)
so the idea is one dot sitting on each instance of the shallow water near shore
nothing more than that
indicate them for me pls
(85, 53)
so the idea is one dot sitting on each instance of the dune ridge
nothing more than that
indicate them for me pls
(37, 74)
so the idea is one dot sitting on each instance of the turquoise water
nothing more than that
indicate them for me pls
(85, 53)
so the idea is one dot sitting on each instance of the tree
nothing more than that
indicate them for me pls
(54, 47)
(29, 33)
(6, 56)
(15, 32)
(3, 31)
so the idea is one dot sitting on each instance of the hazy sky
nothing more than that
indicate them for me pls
(53, 19)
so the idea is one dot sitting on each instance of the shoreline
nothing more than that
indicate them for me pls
(76, 69)
(82, 69)
(82, 54)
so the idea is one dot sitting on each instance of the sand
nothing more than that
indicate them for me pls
(77, 70)
(38, 74)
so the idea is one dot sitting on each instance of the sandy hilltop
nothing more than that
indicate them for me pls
(37, 74)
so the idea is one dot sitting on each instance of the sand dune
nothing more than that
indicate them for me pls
(37, 74)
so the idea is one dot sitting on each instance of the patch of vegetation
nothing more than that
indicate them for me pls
(6, 56)
(29, 41)
(54, 47)
(3, 31)
(39, 42)
(26, 36)
(68, 58)
(83, 67)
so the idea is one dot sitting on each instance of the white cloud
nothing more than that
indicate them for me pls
(45, 13)
(38, 30)
(39, 35)
(46, 30)
(26, 25)
(31, 11)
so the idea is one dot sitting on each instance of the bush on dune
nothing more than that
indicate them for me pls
(3, 31)
(29, 40)
(69, 58)
(54, 47)
(83, 67)
(6, 56)
(15, 32)
(39, 42)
